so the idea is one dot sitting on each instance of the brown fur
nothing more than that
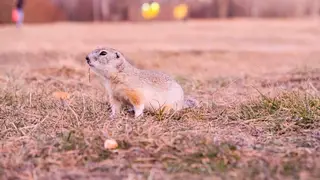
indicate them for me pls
(135, 97)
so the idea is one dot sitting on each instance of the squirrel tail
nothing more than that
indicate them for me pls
(190, 103)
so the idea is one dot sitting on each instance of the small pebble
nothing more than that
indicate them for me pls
(110, 144)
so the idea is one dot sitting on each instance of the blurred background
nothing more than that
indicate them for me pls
(234, 37)
(130, 10)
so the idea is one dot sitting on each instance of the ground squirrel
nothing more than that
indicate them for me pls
(138, 88)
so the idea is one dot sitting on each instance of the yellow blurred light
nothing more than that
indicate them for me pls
(150, 11)
(145, 7)
(155, 6)
(180, 11)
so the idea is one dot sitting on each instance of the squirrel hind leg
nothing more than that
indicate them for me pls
(138, 110)
(136, 100)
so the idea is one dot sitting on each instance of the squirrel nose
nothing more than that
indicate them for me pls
(88, 60)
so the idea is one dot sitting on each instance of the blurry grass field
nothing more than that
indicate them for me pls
(258, 83)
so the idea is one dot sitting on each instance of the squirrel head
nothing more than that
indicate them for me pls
(106, 61)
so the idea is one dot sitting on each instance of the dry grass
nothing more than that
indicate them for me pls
(262, 123)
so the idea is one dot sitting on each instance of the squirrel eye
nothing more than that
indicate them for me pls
(103, 53)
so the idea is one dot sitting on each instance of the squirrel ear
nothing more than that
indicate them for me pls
(117, 55)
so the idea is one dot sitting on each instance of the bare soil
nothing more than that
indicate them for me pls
(258, 82)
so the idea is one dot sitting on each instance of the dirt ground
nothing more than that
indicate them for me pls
(258, 83)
